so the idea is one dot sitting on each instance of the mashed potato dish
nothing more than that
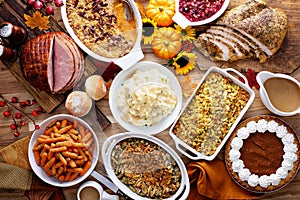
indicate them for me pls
(146, 98)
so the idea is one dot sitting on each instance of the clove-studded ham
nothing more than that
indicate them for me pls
(251, 30)
(52, 62)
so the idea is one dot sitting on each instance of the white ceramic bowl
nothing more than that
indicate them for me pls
(125, 61)
(122, 76)
(40, 172)
(183, 22)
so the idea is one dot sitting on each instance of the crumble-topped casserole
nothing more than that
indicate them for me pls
(101, 25)
(213, 110)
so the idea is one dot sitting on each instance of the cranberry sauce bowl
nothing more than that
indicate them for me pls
(108, 31)
(199, 12)
(210, 115)
(144, 167)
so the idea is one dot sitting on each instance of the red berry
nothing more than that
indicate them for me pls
(13, 126)
(2, 103)
(14, 99)
(22, 123)
(58, 3)
(22, 104)
(33, 101)
(37, 127)
(50, 10)
(30, 2)
(18, 115)
(6, 113)
(35, 113)
(16, 134)
(40, 109)
(28, 102)
(38, 5)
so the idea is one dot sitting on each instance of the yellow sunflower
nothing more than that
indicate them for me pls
(184, 62)
(187, 34)
(149, 29)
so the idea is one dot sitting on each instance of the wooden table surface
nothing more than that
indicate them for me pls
(287, 60)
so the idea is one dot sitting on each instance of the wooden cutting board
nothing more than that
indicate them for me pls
(13, 11)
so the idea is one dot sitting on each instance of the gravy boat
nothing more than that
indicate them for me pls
(261, 78)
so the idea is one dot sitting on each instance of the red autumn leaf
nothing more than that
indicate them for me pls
(251, 78)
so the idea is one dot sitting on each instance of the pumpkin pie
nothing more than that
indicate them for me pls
(262, 154)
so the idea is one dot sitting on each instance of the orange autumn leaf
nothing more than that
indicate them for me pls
(37, 20)
(187, 86)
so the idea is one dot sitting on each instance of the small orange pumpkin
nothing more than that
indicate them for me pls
(161, 11)
(166, 42)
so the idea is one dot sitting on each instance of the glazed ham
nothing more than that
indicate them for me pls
(52, 62)
(252, 30)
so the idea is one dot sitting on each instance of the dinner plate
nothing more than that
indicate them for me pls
(126, 61)
(119, 80)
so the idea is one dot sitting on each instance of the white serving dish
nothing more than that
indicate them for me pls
(111, 142)
(40, 172)
(183, 22)
(261, 78)
(186, 149)
(135, 55)
(122, 76)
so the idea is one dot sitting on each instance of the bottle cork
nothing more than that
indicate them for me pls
(15, 34)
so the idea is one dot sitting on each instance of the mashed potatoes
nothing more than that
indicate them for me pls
(146, 98)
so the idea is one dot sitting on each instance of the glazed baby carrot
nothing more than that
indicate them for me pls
(86, 167)
(37, 157)
(64, 123)
(58, 149)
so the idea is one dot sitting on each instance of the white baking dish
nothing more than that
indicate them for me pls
(112, 141)
(186, 149)
(126, 61)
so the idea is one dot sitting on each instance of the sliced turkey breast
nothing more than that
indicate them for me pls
(266, 27)
(254, 50)
(252, 29)
(241, 50)
(216, 48)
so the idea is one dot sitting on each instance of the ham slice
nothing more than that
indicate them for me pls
(79, 62)
(64, 66)
(52, 62)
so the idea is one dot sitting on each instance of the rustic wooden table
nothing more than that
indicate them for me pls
(287, 60)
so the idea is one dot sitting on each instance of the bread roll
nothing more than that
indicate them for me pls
(95, 87)
(78, 103)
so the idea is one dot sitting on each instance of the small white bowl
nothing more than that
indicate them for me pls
(183, 22)
(117, 83)
(40, 172)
